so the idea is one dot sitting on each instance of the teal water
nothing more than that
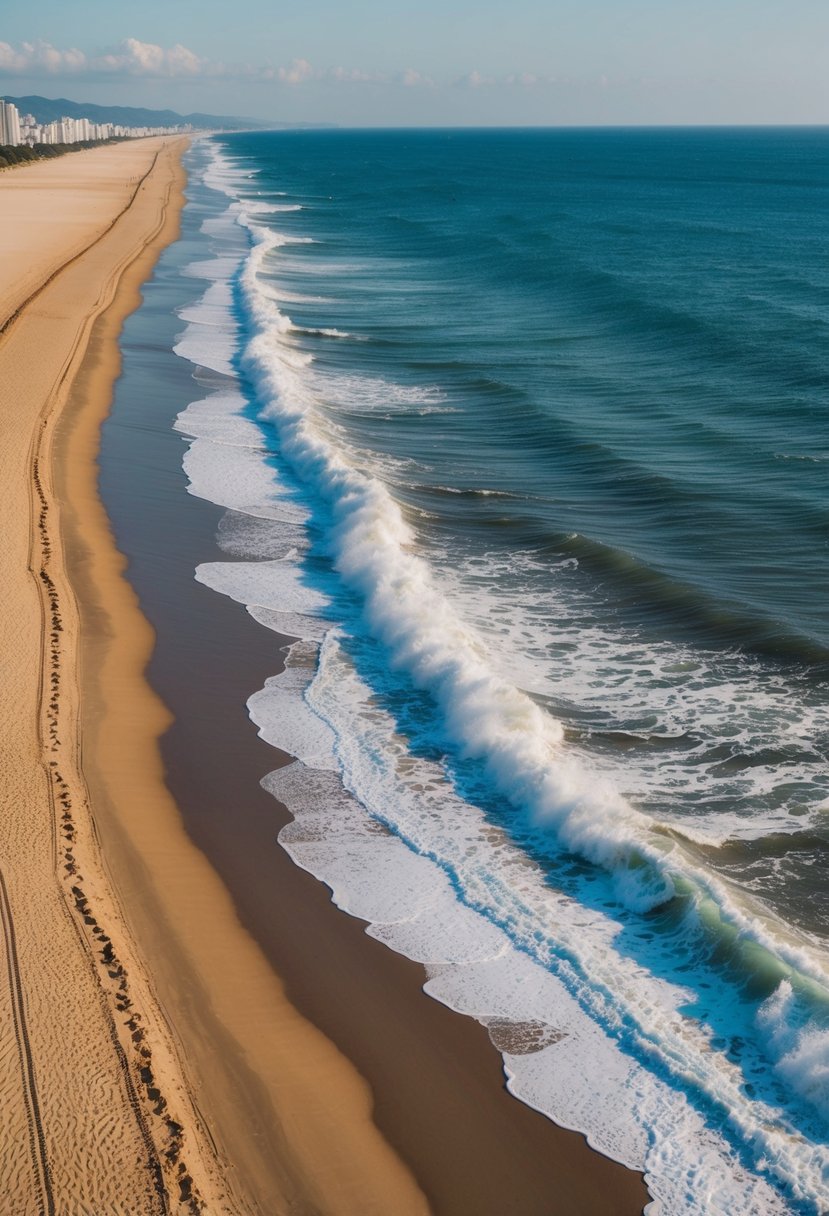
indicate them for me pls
(523, 434)
(628, 335)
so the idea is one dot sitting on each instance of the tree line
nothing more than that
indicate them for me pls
(23, 154)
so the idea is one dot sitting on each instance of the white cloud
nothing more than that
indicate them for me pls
(526, 80)
(298, 72)
(521, 80)
(40, 57)
(475, 80)
(131, 57)
(413, 79)
(147, 59)
(343, 75)
(301, 71)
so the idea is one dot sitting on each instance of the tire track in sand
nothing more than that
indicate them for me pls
(168, 1184)
(37, 1141)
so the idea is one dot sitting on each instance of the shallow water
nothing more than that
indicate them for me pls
(523, 435)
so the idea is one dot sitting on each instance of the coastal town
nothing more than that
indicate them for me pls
(18, 129)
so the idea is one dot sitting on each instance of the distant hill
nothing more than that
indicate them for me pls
(46, 109)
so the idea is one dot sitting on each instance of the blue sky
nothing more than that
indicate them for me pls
(381, 62)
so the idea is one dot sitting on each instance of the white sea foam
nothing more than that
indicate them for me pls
(260, 207)
(222, 175)
(220, 417)
(264, 584)
(211, 311)
(324, 332)
(286, 721)
(219, 268)
(616, 1052)
(685, 699)
(291, 624)
(581, 1077)
(486, 716)
(373, 394)
(208, 346)
(278, 292)
(801, 1051)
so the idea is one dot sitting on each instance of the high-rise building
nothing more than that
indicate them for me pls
(9, 123)
(26, 130)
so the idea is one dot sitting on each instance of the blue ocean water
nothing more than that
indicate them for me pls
(523, 436)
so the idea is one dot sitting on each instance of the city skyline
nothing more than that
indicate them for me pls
(18, 128)
(555, 63)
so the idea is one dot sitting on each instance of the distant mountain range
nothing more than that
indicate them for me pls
(46, 109)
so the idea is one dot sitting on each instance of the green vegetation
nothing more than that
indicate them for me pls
(22, 154)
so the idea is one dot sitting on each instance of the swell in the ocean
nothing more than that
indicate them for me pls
(636, 994)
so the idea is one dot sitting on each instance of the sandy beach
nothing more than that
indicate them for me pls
(170, 1044)
(94, 1117)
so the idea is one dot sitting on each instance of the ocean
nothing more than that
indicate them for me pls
(523, 437)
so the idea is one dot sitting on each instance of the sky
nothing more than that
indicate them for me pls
(433, 62)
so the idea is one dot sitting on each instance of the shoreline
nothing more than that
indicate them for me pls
(436, 1080)
(173, 898)
(109, 1117)
(231, 1069)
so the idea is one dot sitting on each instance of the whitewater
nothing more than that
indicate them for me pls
(638, 992)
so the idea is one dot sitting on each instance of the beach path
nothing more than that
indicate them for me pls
(76, 1134)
